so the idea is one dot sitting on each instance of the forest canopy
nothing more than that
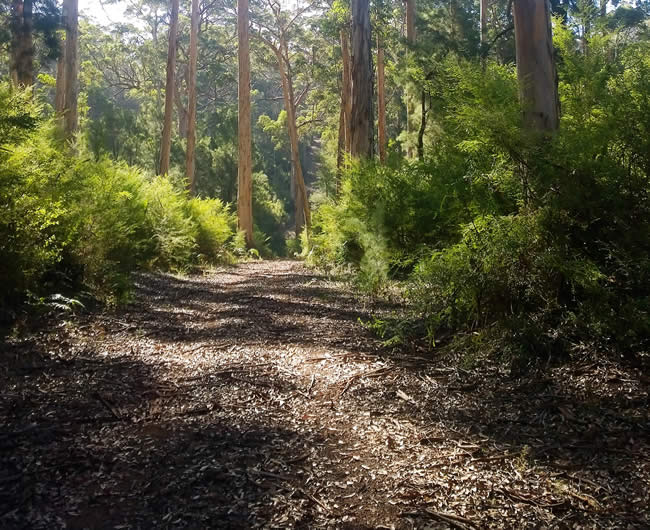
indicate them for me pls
(500, 180)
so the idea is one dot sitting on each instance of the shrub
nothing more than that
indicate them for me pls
(109, 228)
(215, 228)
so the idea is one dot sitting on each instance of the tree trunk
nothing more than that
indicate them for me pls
(22, 46)
(181, 108)
(423, 126)
(303, 213)
(170, 85)
(59, 98)
(535, 65)
(346, 89)
(603, 8)
(484, 43)
(483, 15)
(361, 122)
(410, 92)
(245, 165)
(190, 158)
(381, 102)
(340, 148)
(71, 14)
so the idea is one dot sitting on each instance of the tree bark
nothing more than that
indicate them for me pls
(181, 109)
(410, 92)
(59, 98)
(346, 89)
(190, 155)
(170, 86)
(484, 42)
(483, 15)
(22, 45)
(245, 165)
(536, 65)
(340, 148)
(381, 102)
(423, 126)
(71, 14)
(361, 122)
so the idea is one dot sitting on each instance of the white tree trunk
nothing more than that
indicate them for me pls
(190, 155)
(245, 165)
(166, 142)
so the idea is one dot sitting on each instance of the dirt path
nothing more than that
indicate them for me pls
(252, 397)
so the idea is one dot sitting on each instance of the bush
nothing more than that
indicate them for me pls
(542, 243)
(69, 217)
(215, 227)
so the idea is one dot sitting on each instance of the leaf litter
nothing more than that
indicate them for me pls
(251, 397)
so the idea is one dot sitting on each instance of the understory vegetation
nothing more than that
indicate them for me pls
(70, 219)
(518, 243)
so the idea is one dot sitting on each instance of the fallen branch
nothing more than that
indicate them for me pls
(452, 519)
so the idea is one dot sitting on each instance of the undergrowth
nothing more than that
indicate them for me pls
(522, 246)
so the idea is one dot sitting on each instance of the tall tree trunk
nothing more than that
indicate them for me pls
(303, 213)
(361, 122)
(16, 30)
(190, 158)
(59, 98)
(170, 86)
(381, 102)
(245, 165)
(603, 8)
(340, 148)
(22, 46)
(71, 14)
(181, 108)
(483, 17)
(536, 65)
(410, 92)
(346, 88)
(423, 125)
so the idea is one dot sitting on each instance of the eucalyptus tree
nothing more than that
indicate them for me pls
(361, 122)
(190, 154)
(170, 89)
(245, 164)
(275, 28)
(71, 68)
(536, 65)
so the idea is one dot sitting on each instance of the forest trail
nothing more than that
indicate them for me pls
(253, 397)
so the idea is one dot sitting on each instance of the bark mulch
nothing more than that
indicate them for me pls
(253, 397)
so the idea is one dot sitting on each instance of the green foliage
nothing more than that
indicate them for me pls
(537, 244)
(31, 239)
(69, 216)
(173, 229)
(215, 228)
(270, 218)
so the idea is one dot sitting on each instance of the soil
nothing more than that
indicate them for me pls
(254, 397)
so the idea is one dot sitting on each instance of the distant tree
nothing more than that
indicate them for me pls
(245, 165)
(71, 16)
(381, 102)
(170, 88)
(277, 40)
(22, 44)
(190, 155)
(410, 92)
